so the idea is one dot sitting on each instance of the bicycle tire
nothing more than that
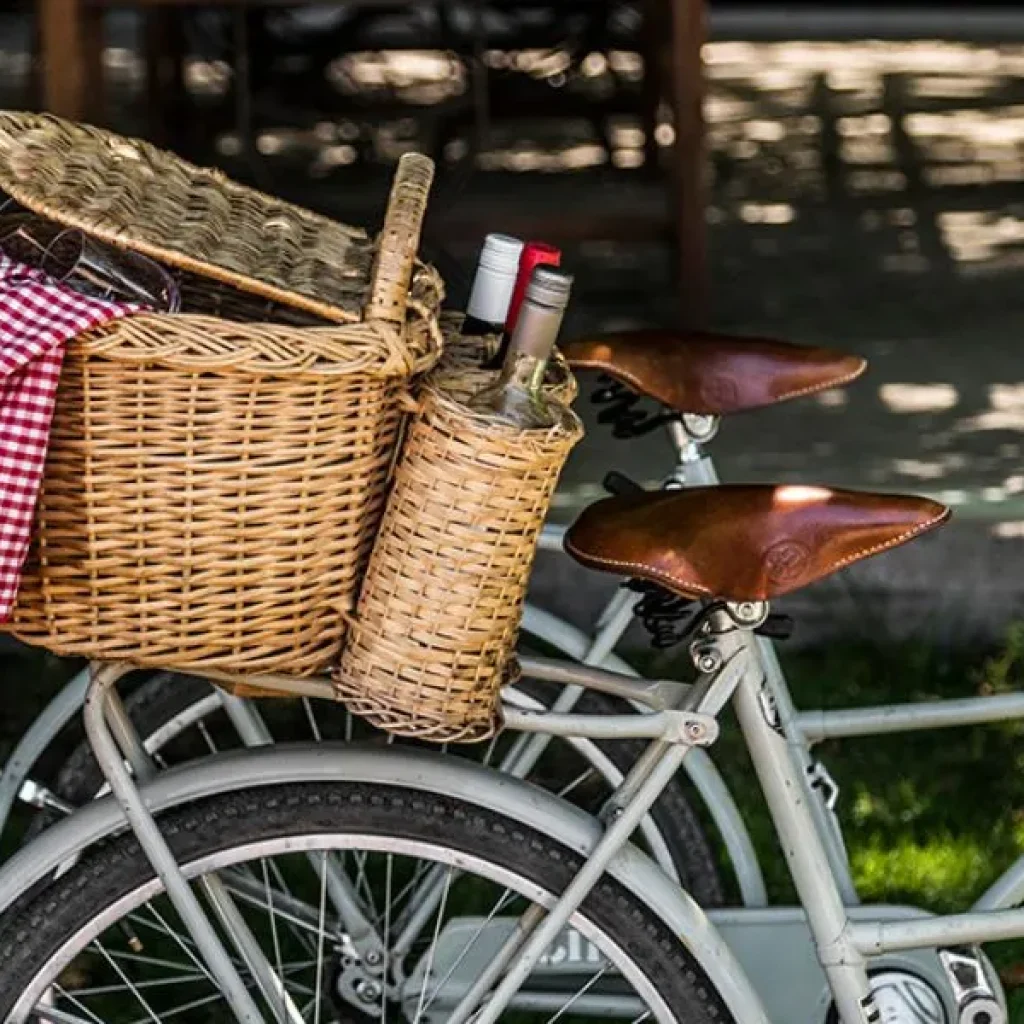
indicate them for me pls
(164, 696)
(43, 933)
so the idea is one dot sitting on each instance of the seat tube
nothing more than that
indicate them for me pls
(694, 467)
(826, 822)
(806, 857)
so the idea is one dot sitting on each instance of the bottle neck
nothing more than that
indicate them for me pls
(475, 327)
(490, 295)
(523, 371)
(535, 332)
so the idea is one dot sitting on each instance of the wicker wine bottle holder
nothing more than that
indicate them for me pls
(216, 478)
(432, 637)
(461, 373)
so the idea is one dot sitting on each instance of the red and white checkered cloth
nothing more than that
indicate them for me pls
(38, 315)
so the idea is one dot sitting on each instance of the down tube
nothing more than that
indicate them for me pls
(705, 777)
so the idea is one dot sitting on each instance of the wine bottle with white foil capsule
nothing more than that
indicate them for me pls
(517, 396)
(493, 284)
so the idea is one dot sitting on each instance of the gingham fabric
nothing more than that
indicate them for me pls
(37, 317)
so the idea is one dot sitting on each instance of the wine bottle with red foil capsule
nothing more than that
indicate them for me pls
(534, 254)
(493, 285)
(517, 396)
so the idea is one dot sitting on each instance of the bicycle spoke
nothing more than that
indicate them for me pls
(105, 990)
(75, 1003)
(584, 776)
(364, 882)
(387, 935)
(205, 733)
(314, 726)
(128, 982)
(273, 929)
(185, 1007)
(305, 939)
(53, 1015)
(187, 946)
(582, 992)
(288, 908)
(489, 752)
(320, 939)
(149, 961)
(412, 885)
(506, 898)
(433, 945)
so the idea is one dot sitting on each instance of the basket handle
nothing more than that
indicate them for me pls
(399, 239)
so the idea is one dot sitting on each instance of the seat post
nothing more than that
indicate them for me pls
(694, 467)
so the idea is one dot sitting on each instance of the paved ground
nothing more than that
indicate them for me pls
(866, 196)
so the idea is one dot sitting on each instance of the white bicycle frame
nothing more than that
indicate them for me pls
(678, 720)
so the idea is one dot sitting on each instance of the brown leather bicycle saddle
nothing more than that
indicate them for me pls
(747, 542)
(712, 374)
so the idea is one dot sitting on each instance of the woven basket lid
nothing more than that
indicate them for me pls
(132, 194)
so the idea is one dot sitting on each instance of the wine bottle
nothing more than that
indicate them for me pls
(493, 284)
(534, 254)
(517, 396)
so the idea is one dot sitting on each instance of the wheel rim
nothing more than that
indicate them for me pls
(95, 969)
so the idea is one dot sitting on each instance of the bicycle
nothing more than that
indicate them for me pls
(728, 551)
(313, 859)
(703, 371)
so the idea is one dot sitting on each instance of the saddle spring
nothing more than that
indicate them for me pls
(623, 410)
(670, 619)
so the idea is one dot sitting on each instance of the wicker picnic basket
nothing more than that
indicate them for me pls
(216, 478)
(432, 638)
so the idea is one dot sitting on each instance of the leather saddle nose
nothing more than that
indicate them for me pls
(712, 374)
(748, 542)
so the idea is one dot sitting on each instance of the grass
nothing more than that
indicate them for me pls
(931, 819)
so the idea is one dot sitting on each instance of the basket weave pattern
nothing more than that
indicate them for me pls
(213, 486)
(461, 371)
(193, 519)
(130, 193)
(438, 614)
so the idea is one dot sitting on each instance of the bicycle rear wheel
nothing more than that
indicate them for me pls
(102, 944)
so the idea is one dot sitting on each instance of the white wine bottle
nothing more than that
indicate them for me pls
(493, 284)
(517, 396)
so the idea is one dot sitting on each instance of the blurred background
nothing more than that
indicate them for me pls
(838, 174)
